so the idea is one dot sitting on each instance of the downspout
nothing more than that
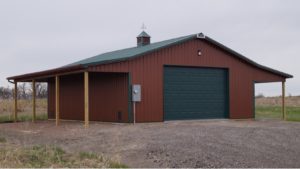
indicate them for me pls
(13, 82)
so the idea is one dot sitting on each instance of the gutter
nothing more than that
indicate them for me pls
(10, 81)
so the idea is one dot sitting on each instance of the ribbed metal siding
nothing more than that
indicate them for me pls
(109, 97)
(71, 97)
(148, 71)
(195, 93)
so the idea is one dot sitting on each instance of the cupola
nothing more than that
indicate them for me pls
(143, 39)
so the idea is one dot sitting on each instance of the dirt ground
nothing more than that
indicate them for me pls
(202, 143)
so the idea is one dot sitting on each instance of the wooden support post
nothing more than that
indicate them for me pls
(283, 101)
(57, 100)
(16, 102)
(86, 99)
(33, 101)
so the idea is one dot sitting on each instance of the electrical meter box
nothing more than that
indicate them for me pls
(136, 93)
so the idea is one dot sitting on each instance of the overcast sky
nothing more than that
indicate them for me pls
(43, 34)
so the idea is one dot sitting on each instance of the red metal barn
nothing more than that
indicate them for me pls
(190, 77)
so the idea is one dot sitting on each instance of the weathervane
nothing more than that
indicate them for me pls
(143, 27)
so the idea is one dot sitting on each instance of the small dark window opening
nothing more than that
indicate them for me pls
(119, 116)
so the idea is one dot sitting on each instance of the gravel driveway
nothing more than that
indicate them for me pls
(201, 143)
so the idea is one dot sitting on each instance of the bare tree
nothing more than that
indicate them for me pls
(260, 95)
(5, 93)
(41, 90)
(22, 91)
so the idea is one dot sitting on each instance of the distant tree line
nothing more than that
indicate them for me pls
(260, 95)
(24, 91)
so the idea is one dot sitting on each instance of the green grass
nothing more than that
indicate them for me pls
(22, 117)
(43, 156)
(274, 112)
(117, 165)
(32, 157)
(87, 155)
(111, 164)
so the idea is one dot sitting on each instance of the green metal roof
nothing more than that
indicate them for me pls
(125, 54)
(143, 34)
(128, 53)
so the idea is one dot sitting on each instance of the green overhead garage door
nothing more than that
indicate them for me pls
(195, 93)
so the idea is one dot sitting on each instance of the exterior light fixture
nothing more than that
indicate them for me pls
(199, 52)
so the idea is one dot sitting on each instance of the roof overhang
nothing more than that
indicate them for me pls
(42, 75)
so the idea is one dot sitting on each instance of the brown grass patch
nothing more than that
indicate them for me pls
(24, 107)
(291, 101)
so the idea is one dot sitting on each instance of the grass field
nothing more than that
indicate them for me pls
(24, 110)
(274, 112)
(265, 108)
(270, 108)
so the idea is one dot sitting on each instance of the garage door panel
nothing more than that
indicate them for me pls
(193, 93)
